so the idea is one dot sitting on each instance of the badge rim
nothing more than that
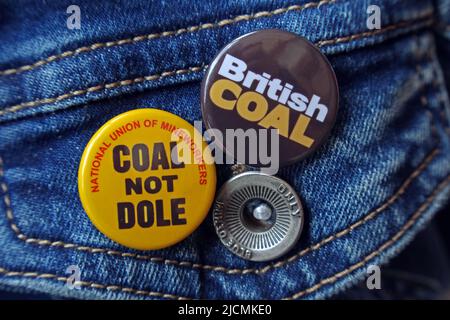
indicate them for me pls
(84, 165)
(283, 248)
(223, 51)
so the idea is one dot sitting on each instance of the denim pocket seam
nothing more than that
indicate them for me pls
(424, 20)
(439, 85)
(94, 285)
(163, 34)
(44, 242)
(416, 215)
(371, 215)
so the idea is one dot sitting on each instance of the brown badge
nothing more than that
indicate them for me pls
(271, 79)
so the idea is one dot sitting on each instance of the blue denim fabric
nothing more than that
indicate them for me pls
(421, 271)
(377, 181)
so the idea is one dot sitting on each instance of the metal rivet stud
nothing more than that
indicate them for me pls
(257, 216)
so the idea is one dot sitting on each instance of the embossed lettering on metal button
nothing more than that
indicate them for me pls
(257, 216)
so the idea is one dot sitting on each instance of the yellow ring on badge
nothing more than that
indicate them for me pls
(147, 179)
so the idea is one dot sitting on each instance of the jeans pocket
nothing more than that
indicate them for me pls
(382, 174)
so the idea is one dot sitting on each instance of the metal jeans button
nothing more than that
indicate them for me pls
(257, 216)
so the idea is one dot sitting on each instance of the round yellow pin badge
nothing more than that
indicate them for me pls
(147, 179)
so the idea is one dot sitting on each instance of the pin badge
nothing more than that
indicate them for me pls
(268, 79)
(272, 79)
(257, 216)
(144, 181)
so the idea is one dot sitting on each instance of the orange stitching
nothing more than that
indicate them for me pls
(437, 83)
(164, 34)
(329, 280)
(91, 284)
(369, 216)
(108, 86)
(383, 247)
(164, 74)
(297, 295)
(391, 27)
(424, 99)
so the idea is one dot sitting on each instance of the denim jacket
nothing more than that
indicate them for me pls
(367, 191)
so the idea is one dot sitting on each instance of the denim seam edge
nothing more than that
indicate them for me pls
(397, 236)
(371, 215)
(330, 280)
(425, 20)
(164, 34)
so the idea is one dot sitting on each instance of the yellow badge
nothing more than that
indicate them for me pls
(147, 179)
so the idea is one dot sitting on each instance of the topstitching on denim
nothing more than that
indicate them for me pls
(163, 34)
(369, 216)
(416, 215)
(421, 21)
